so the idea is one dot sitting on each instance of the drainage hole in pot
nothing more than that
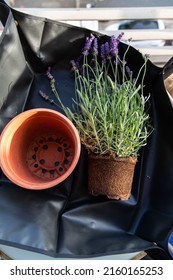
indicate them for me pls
(42, 161)
(36, 149)
(59, 149)
(52, 172)
(56, 163)
(36, 165)
(34, 156)
(67, 154)
(44, 170)
(41, 141)
(66, 161)
(45, 147)
(60, 169)
(64, 145)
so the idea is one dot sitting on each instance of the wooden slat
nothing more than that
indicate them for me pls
(165, 50)
(143, 34)
(102, 13)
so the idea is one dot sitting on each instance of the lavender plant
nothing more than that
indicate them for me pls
(110, 108)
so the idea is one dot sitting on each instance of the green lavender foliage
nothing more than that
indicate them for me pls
(110, 113)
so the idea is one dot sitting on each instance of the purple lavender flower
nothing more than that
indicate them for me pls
(124, 62)
(113, 46)
(147, 55)
(77, 65)
(114, 41)
(88, 43)
(73, 64)
(116, 61)
(95, 47)
(129, 72)
(107, 48)
(102, 53)
(46, 97)
(43, 95)
(130, 39)
(105, 52)
(51, 101)
(48, 73)
(134, 80)
(119, 37)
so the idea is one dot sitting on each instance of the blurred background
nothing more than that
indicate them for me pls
(149, 35)
(88, 3)
(107, 25)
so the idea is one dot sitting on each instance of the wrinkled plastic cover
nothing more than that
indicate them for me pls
(65, 221)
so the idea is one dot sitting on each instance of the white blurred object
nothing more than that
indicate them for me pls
(140, 24)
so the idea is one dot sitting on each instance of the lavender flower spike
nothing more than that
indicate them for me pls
(107, 48)
(113, 45)
(48, 73)
(46, 97)
(95, 47)
(88, 43)
(73, 64)
(120, 36)
(43, 95)
(147, 55)
(102, 53)
(129, 72)
(107, 51)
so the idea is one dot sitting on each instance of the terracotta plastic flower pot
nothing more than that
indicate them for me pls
(111, 177)
(39, 149)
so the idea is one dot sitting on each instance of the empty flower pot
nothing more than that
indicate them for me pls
(39, 149)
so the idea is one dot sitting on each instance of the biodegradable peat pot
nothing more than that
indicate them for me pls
(39, 149)
(111, 177)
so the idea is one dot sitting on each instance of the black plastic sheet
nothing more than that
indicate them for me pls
(65, 221)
